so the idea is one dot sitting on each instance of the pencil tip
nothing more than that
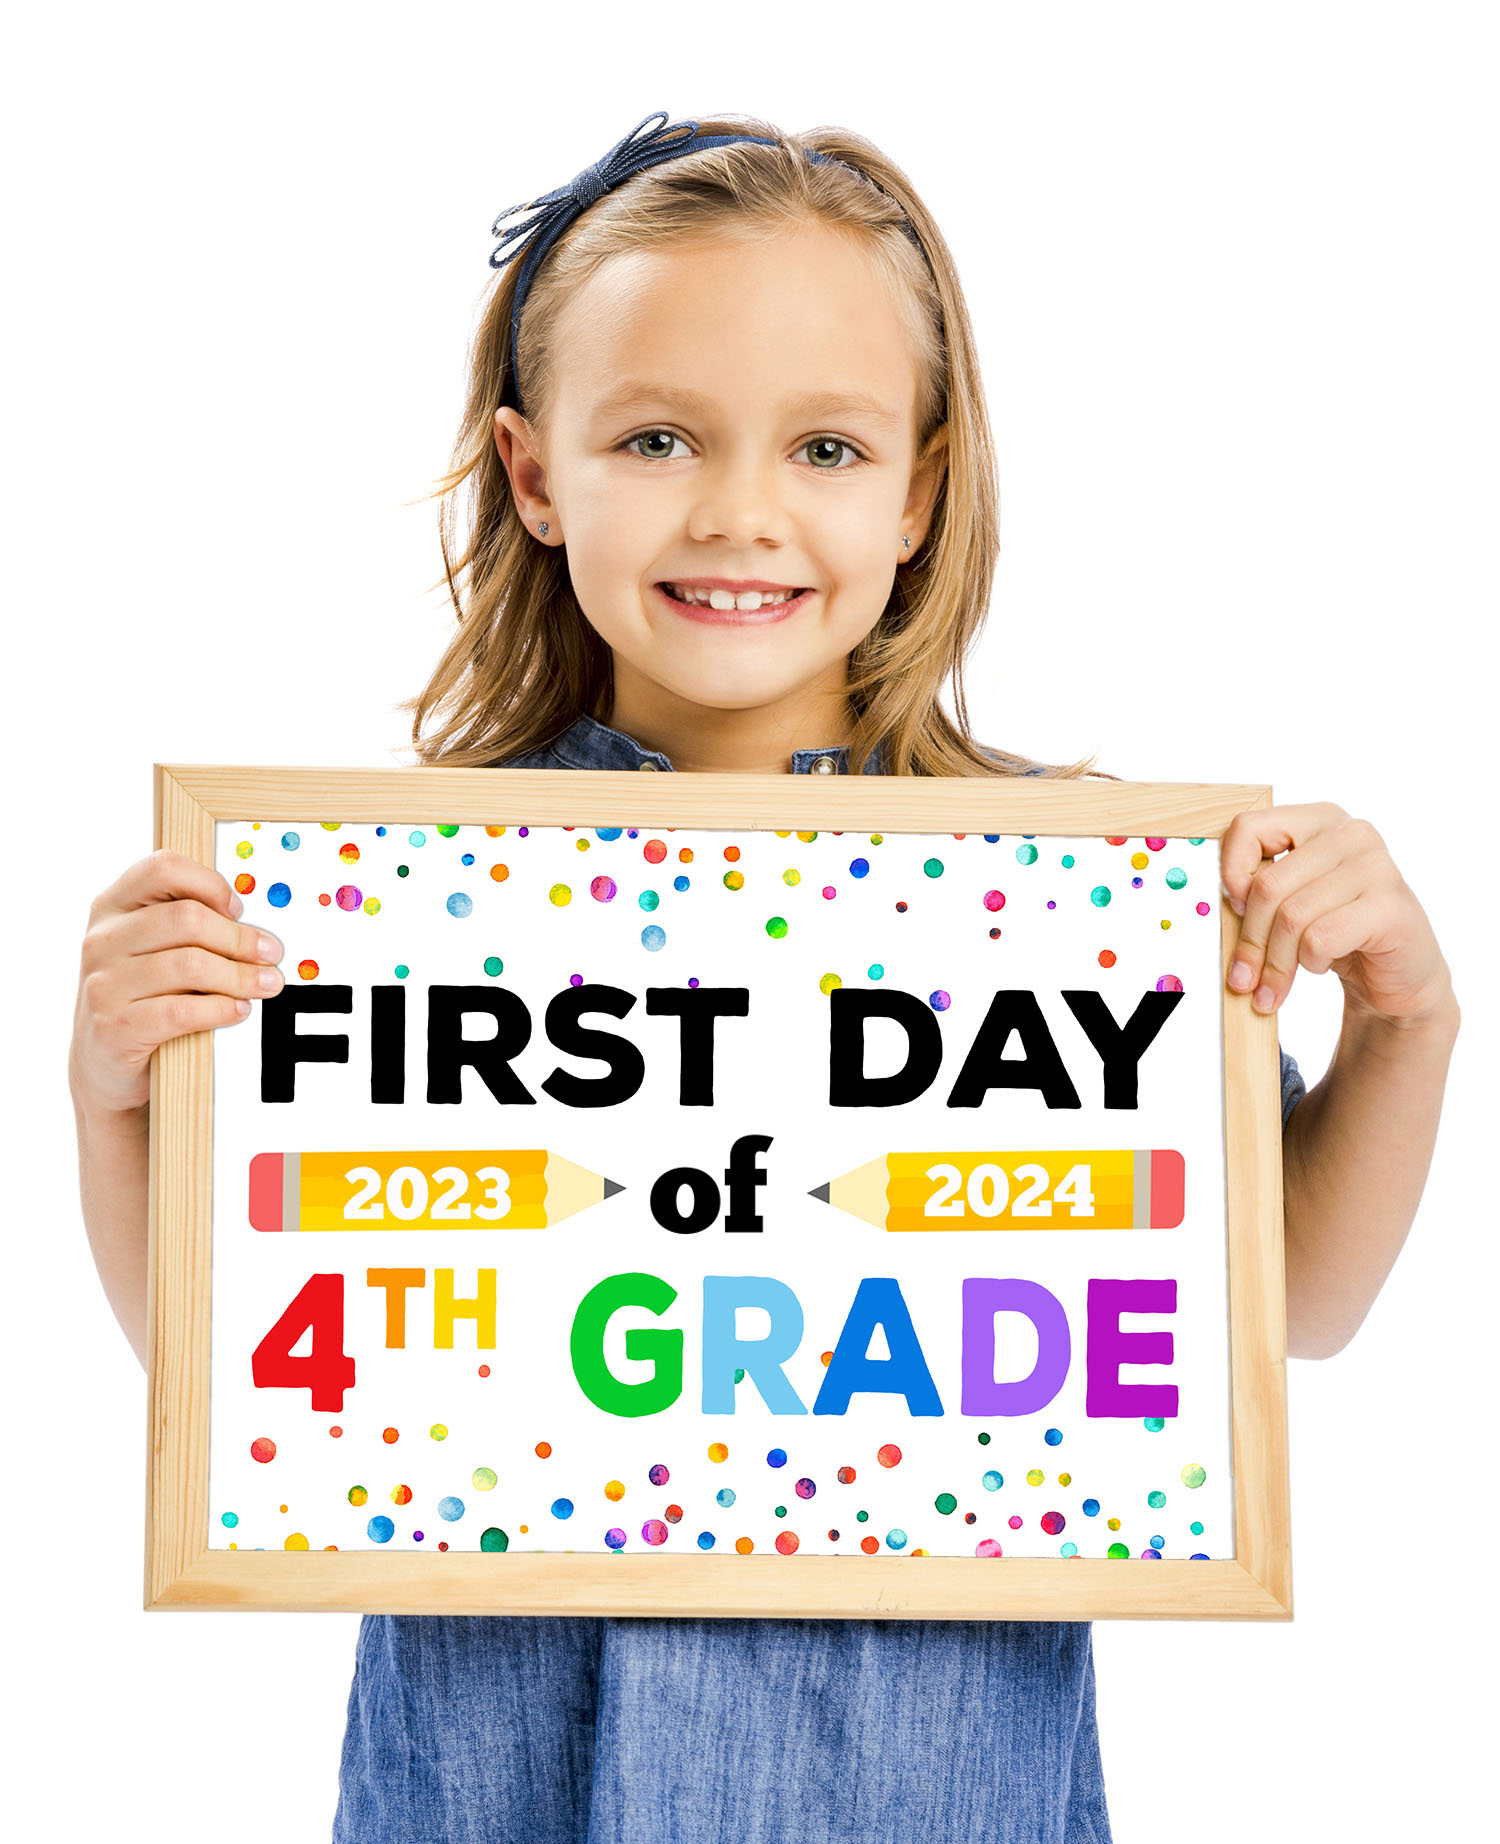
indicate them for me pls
(820, 1192)
(610, 1187)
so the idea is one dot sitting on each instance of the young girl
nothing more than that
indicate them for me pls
(731, 506)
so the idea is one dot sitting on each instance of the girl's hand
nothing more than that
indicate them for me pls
(162, 956)
(1335, 900)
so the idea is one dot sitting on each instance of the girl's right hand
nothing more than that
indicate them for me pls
(162, 956)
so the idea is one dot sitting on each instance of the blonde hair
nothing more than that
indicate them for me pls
(525, 662)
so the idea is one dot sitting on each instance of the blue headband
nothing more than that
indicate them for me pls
(555, 211)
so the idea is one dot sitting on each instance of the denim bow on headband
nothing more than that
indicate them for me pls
(555, 211)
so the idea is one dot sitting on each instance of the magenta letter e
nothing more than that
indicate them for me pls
(1109, 1347)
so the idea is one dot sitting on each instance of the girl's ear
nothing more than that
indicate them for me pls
(926, 479)
(518, 454)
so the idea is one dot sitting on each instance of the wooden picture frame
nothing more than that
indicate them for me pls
(183, 1572)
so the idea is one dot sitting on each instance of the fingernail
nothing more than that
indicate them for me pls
(1236, 903)
(1264, 999)
(1240, 976)
(268, 948)
(269, 978)
(242, 1006)
(236, 907)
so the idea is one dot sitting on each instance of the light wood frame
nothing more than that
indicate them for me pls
(182, 1572)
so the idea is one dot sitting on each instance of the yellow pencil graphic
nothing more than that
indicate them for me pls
(1140, 1189)
(513, 1188)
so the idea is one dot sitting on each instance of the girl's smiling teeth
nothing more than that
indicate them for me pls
(747, 600)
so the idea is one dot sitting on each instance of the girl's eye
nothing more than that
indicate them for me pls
(826, 442)
(653, 435)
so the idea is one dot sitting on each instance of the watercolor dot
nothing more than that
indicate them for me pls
(889, 1455)
(992, 1481)
(263, 1450)
(1113, 1522)
(495, 1539)
(654, 1530)
(603, 889)
(543, 1450)
(724, 1497)
(1064, 1478)
(1202, 908)
(681, 883)
(829, 893)
(1054, 1523)
(653, 938)
(244, 883)
(390, 1436)
(290, 841)
(1036, 1476)
(805, 1488)
(787, 1543)
(734, 880)
(1068, 1549)
(1053, 1437)
(1091, 1507)
(939, 1000)
(776, 1457)
(499, 872)
(988, 1546)
(483, 1479)
(450, 1509)
(1099, 896)
(400, 1494)
(559, 896)
(614, 1491)
(279, 895)
(1196, 1529)
(933, 868)
(718, 1451)
(895, 1539)
(357, 1495)
(1118, 1552)
(859, 867)
(244, 848)
(1068, 861)
(307, 969)
(1176, 879)
(607, 832)
(1026, 854)
(648, 900)
(946, 1503)
(1015, 1522)
(295, 1541)
(830, 982)
(994, 900)
(1193, 1475)
(438, 1431)
(792, 878)
(776, 927)
(1155, 1423)
(653, 851)
(380, 1530)
(494, 966)
(875, 971)
(229, 1519)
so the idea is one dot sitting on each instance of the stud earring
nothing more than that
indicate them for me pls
(542, 528)
(905, 541)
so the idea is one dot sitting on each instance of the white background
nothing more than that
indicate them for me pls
(1233, 277)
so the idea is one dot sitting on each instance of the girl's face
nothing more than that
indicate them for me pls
(731, 415)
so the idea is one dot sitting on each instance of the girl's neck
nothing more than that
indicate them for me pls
(759, 740)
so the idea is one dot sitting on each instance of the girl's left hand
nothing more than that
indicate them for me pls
(1334, 900)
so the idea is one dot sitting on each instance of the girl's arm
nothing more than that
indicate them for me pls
(1356, 1149)
(162, 956)
(1355, 1154)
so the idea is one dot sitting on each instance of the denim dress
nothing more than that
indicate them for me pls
(563, 1730)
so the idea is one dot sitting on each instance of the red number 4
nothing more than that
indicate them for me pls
(329, 1370)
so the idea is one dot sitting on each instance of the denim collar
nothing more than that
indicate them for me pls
(587, 743)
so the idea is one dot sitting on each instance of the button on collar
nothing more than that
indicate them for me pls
(824, 765)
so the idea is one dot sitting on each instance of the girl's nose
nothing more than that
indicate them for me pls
(739, 504)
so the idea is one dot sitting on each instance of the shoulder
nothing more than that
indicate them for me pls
(545, 757)
(1007, 763)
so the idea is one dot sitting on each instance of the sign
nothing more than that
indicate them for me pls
(727, 1194)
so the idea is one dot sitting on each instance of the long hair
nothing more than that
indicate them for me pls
(524, 662)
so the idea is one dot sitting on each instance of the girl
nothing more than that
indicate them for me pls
(730, 505)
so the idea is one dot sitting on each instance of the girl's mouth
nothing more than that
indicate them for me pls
(734, 617)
